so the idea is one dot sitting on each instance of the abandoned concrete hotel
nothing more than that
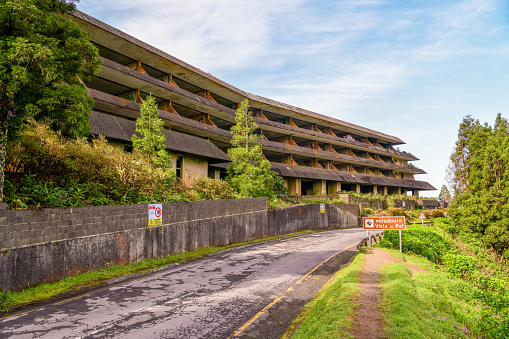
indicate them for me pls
(315, 154)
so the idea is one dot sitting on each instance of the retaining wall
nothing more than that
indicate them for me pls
(46, 245)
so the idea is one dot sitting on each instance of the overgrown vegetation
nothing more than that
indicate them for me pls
(465, 257)
(479, 175)
(49, 170)
(44, 59)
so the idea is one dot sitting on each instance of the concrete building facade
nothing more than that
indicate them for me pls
(314, 153)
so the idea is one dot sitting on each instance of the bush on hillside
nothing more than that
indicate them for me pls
(420, 240)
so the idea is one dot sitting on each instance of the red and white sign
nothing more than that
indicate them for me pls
(384, 223)
(155, 214)
(422, 216)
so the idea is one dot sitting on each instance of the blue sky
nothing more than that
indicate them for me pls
(412, 69)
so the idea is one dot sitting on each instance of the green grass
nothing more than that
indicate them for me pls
(426, 305)
(330, 313)
(97, 278)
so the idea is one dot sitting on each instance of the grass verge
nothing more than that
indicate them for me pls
(330, 313)
(10, 300)
(427, 305)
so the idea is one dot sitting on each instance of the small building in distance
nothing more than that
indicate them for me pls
(314, 153)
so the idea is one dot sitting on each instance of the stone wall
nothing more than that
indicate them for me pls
(46, 245)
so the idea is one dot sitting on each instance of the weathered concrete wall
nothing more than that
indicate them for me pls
(41, 246)
(194, 168)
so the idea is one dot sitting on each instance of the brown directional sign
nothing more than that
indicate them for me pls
(384, 223)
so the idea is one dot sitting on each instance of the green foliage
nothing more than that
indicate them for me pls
(280, 189)
(494, 322)
(479, 172)
(57, 171)
(368, 211)
(459, 265)
(44, 58)
(420, 240)
(325, 200)
(211, 189)
(426, 305)
(152, 144)
(249, 173)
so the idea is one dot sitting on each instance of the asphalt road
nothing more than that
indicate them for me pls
(250, 292)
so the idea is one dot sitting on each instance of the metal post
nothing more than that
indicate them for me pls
(369, 236)
(400, 244)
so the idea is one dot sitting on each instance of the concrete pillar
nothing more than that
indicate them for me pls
(294, 186)
(319, 187)
(398, 192)
(416, 193)
(385, 190)
(375, 189)
(334, 187)
(358, 188)
(217, 174)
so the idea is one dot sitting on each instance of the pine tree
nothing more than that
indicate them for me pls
(444, 194)
(152, 144)
(248, 173)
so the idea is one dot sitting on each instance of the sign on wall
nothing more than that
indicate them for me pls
(322, 208)
(384, 223)
(155, 214)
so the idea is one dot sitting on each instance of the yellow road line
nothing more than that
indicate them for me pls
(320, 264)
(288, 290)
(64, 301)
(243, 327)
(15, 315)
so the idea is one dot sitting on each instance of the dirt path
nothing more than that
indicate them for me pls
(368, 319)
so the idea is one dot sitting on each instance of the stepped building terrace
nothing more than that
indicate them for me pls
(314, 153)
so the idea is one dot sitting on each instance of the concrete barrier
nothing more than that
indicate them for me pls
(46, 245)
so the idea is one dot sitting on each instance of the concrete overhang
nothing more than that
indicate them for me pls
(114, 39)
(122, 107)
(122, 129)
(330, 139)
(336, 157)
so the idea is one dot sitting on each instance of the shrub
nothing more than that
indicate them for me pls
(393, 211)
(211, 189)
(459, 265)
(420, 240)
(368, 211)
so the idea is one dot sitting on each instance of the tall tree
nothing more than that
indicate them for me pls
(43, 59)
(152, 144)
(444, 195)
(248, 173)
(480, 205)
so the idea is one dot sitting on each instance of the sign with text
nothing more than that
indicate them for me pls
(322, 208)
(155, 214)
(384, 223)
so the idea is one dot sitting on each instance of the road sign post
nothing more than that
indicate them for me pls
(422, 217)
(385, 223)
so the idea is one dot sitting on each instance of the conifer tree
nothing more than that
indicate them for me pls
(444, 194)
(248, 173)
(151, 146)
(480, 205)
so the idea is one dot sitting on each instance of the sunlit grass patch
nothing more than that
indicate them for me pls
(426, 305)
(330, 313)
